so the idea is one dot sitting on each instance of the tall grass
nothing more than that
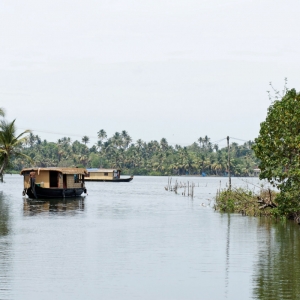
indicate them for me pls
(246, 202)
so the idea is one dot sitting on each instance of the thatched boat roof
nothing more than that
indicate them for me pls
(57, 169)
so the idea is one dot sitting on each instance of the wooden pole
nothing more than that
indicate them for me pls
(229, 176)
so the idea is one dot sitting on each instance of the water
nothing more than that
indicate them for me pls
(137, 241)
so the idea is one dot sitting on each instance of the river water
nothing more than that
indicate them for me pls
(137, 241)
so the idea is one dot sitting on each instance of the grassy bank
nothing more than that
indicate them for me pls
(246, 202)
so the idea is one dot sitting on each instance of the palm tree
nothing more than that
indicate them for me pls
(31, 139)
(38, 140)
(117, 140)
(10, 144)
(198, 164)
(164, 144)
(99, 145)
(206, 140)
(2, 112)
(83, 159)
(85, 139)
(139, 144)
(60, 153)
(126, 139)
(102, 134)
(65, 141)
(124, 134)
(200, 140)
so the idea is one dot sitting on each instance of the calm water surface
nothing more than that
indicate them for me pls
(137, 241)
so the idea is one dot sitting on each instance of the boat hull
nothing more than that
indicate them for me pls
(40, 193)
(113, 180)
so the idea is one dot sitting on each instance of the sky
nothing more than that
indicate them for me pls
(174, 69)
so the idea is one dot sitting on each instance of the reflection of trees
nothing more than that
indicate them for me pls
(278, 264)
(69, 206)
(5, 249)
(4, 216)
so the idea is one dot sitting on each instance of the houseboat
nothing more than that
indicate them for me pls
(42, 183)
(109, 175)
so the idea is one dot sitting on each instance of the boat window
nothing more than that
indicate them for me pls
(106, 174)
(76, 178)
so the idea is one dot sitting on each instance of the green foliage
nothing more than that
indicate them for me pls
(10, 146)
(140, 158)
(94, 160)
(85, 139)
(244, 201)
(278, 148)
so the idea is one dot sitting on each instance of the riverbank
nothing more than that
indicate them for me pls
(247, 202)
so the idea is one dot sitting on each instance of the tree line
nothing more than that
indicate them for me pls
(139, 157)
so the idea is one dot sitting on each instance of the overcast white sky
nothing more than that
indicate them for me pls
(173, 69)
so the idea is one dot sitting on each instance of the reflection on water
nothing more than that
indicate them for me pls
(5, 248)
(4, 216)
(277, 270)
(227, 256)
(137, 241)
(59, 206)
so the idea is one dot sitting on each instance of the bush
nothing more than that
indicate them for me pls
(246, 202)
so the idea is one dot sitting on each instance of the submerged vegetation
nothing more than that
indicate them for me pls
(247, 202)
(140, 158)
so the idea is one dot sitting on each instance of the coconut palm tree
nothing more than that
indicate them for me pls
(124, 134)
(102, 135)
(200, 140)
(139, 144)
(85, 139)
(99, 145)
(117, 140)
(64, 141)
(206, 140)
(2, 112)
(126, 139)
(164, 144)
(10, 144)
(31, 139)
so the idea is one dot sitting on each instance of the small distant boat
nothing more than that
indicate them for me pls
(53, 182)
(107, 175)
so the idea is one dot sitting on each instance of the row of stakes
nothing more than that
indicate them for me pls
(187, 187)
